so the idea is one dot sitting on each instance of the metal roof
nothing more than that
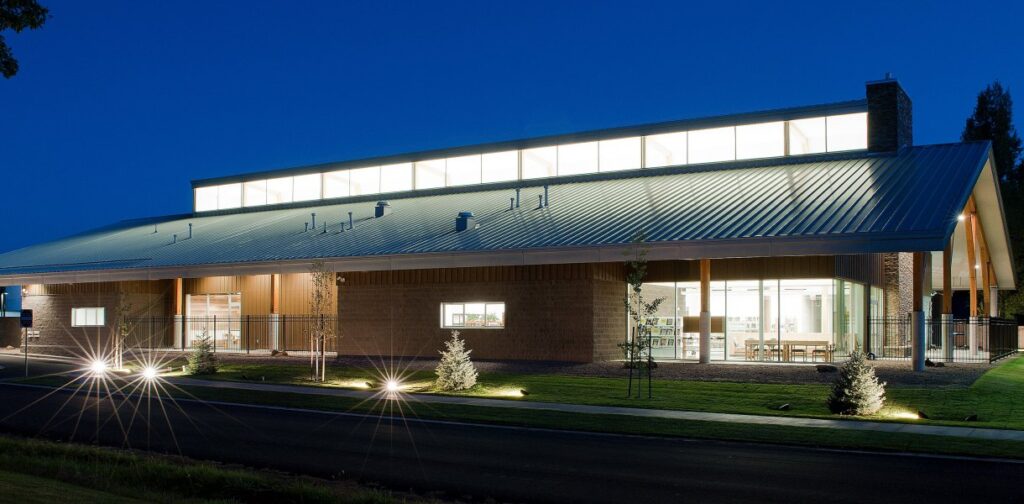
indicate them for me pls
(846, 204)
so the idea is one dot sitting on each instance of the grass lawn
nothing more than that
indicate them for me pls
(44, 471)
(26, 489)
(997, 397)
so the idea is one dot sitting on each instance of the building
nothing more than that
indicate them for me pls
(787, 235)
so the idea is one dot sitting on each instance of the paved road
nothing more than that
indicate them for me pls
(13, 366)
(512, 464)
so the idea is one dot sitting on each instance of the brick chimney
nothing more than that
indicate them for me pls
(890, 116)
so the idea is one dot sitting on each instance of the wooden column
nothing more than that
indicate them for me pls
(972, 272)
(947, 279)
(275, 293)
(917, 319)
(179, 297)
(985, 279)
(705, 311)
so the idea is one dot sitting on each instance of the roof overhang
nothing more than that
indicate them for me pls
(683, 250)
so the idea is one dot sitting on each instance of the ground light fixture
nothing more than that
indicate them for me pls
(149, 373)
(98, 367)
(392, 386)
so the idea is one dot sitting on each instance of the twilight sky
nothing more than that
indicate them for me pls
(118, 105)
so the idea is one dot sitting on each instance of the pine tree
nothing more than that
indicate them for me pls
(202, 360)
(856, 390)
(455, 371)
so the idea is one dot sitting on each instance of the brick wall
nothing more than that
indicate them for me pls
(557, 313)
(52, 304)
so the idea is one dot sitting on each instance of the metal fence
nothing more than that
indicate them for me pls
(246, 333)
(982, 339)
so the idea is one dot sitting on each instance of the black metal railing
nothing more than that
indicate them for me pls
(245, 333)
(981, 339)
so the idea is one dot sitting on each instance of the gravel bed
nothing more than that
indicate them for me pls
(892, 372)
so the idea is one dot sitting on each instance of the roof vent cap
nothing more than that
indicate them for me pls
(383, 208)
(465, 221)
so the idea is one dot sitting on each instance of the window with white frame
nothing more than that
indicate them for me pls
(473, 315)
(88, 317)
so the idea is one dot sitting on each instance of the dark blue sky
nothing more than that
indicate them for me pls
(119, 104)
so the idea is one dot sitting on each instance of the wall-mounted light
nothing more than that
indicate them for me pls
(960, 217)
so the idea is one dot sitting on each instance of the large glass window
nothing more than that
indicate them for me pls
(396, 177)
(761, 140)
(215, 316)
(206, 198)
(463, 170)
(540, 162)
(255, 193)
(807, 136)
(88, 317)
(743, 320)
(804, 322)
(364, 181)
(479, 315)
(229, 196)
(711, 145)
(619, 154)
(577, 158)
(430, 174)
(336, 184)
(307, 187)
(500, 166)
(667, 149)
(279, 190)
(847, 132)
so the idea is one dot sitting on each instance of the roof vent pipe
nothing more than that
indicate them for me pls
(545, 195)
(464, 221)
(350, 220)
(174, 239)
(517, 198)
(314, 220)
(325, 229)
(383, 208)
(540, 201)
(189, 230)
(307, 228)
(511, 203)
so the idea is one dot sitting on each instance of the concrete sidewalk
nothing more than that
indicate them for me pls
(906, 428)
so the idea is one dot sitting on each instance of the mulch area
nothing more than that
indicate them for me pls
(897, 373)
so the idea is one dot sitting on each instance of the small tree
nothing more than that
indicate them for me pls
(455, 371)
(321, 306)
(637, 349)
(202, 360)
(856, 390)
(124, 326)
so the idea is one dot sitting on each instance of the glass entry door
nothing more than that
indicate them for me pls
(217, 316)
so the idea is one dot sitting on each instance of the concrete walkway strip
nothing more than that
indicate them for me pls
(906, 428)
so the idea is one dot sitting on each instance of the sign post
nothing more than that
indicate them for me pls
(26, 323)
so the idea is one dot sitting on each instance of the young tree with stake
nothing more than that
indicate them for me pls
(637, 349)
(321, 306)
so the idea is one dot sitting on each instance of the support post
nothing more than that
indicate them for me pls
(972, 261)
(948, 345)
(179, 325)
(705, 311)
(918, 344)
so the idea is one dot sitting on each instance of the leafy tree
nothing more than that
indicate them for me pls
(321, 307)
(637, 348)
(455, 371)
(856, 390)
(18, 15)
(124, 326)
(993, 120)
(202, 360)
